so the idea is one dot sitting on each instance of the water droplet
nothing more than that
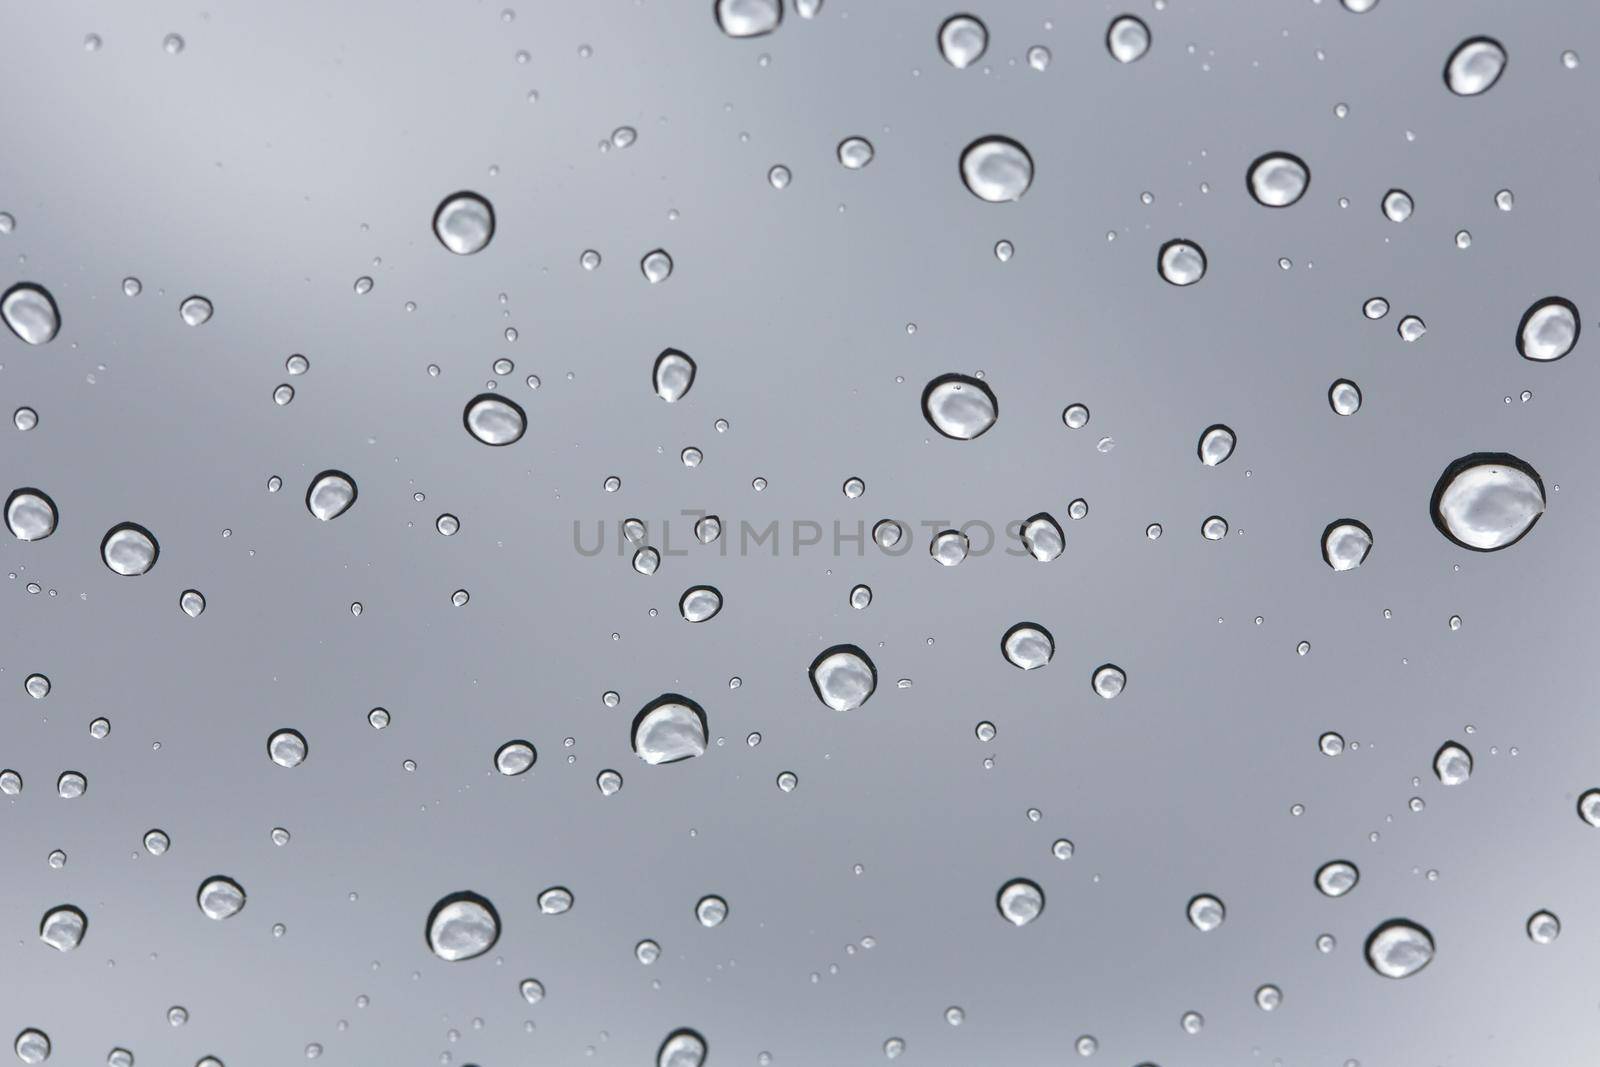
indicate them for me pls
(685, 1048)
(1181, 262)
(557, 900)
(1505, 200)
(132, 286)
(657, 266)
(779, 176)
(1020, 901)
(37, 686)
(1399, 948)
(62, 928)
(996, 169)
(515, 757)
(1278, 179)
(71, 785)
(1397, 205)
(748, 18)
(1337, 878)
(960, 407)
(1548, 330)
(855, 152)
(1452, 764)
(1214, 528)
(1331, 744)
(494, 420)
(860, 597)
(129, 549)
(711, 910)
(1109, 680)
(646, 560)
(962, 40)
(461, 926)
(1039, 57)
(949, 547)
(700, 603)
(1206, 913)
(1543, 927)
(1487, 501)
(707, 529)
(1027, 645)
(447, 524)
(220, 897)
(787, 780)
(31, 313)
(668, 729)
(1411, 329)
(464, 223)
(1345, 544)
(1344, 396)
(1042, 536)
(25, 418)
(156, 842)
(647, 952)
(32, 1046)
(331, 494)
(1216, 445)
(172, 44)
(1474, 66)
(1076, 416)
(844, 677)
(1269, 997)
(195, 310)
(673, 375)
(1127, 38)
(1192, 1022)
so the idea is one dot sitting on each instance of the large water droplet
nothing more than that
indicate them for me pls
(656, 266)
(673, 375)
(1278, 179)
(515, 757)
(1042, 537)
(1181, 262)
(1397, 205)
(129, 549)
(1109, 680)
(668, 729)
(711, 910)
(1216, 445)
(461, 926)
(960, 407)
(557, 900)
(1127, 38)
(1548, 330)
(220, 897)
(330, 494)
(996, 169)
(1543, 927)
(1020, 901)
(1206, 913)
(1487, 501)
(683, 1048)
(962, 40)
(1399, 948)
(854, 152)
(62, 928)
(1344, 396)
(844, 677)
(1337, 878)
(748, 18)
(1474, 66)
(1452, 764)
(30, 514)
(494, 420)
(195, 310)
(1345, 544)
(949, 547)
(464, 223)
(32, 1046)
(30, 311)
(700, 603)
(1027, 645)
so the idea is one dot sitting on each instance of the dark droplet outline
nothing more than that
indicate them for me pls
(1482, 459)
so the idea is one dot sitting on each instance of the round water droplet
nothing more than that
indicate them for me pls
(1399, 948)
(1331, 744)
(673, 375)
(193, 602)
(960, 407)
(684, 1048)
(1397, 205)
(996, 169)
(1181, 262)
(843, 677)
(1345, 544)
(447, 524)
(37, 686)
(1216, 445)
(557, 900)
(1474, 66)
(1127, 38)
(1003, 251)
(1588, 804)
(1206, 913)
(646, 560)
(287, 748)
(887, 533)
(494, 420)
(1027, 645)
(656, 266)
(378, 718)
(1192, 1022)
(25, 419)
(1543, 927)
(1109, 680)
(331, 494)
(1269, 997)
(464, 223)
(1042, 537)
(31, 313)
(963, 40)
(514, 757)
(860, 597)
(30, 514)
(195, 310)
(608, 782)
(854, 152)
(1278, 179)
(779, 176)
(700, 603)
(707, 529)
(1337, 878)
(1452, 764)
(1411, 329)
(32, 1046)
(220, 897)
(532, 990)
(711, 910)
(62, 928)
(1039, 57)
(1214, 528)
(71, 785)
(787, 780)
(1076, 416)
(1548, 330)
(461, 926)
(949, 547)
(1487, 501)
(668, 729)
(647, 952)
(1020, 901)
(11, 785)
(156, 842)
(129, 549)
(748, 18)
(1344, 396)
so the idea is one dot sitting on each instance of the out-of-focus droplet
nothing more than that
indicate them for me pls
(1336, 878)
(31, 313)
(462, 926)
(1474, 66)
(1548, 330)
(30, 514)
(172, 44)
(647, 952)
(1127, 38)
(669, 729)
(1345, 544)
(854, 152)
(32, 1046)
(1452, 764)
(494, 420)
(1397, 205)
(1192, 1022)
(962, 40)
(220, 897)
(1039, 57)
(1278, 179)
(515, 757)
(1020, 901)
(464, 223)
(1399, 948)
(1027, 645)
(673, 375)
(1206, 913)
(996, 169)
(1487, 501)
(1505, 200)
(656, 266)
(129, 549)
(1181, 262)
(779, 176)
(1269, 997)
(748, 18)
(331, 494)
(1344, 396)
(1216, 445)
(960, 407)
(844, 677)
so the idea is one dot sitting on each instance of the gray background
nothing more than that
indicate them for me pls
(293, 146)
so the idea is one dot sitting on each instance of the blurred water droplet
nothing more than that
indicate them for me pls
(963, 40)
(1127, 38)
(1269, 997)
